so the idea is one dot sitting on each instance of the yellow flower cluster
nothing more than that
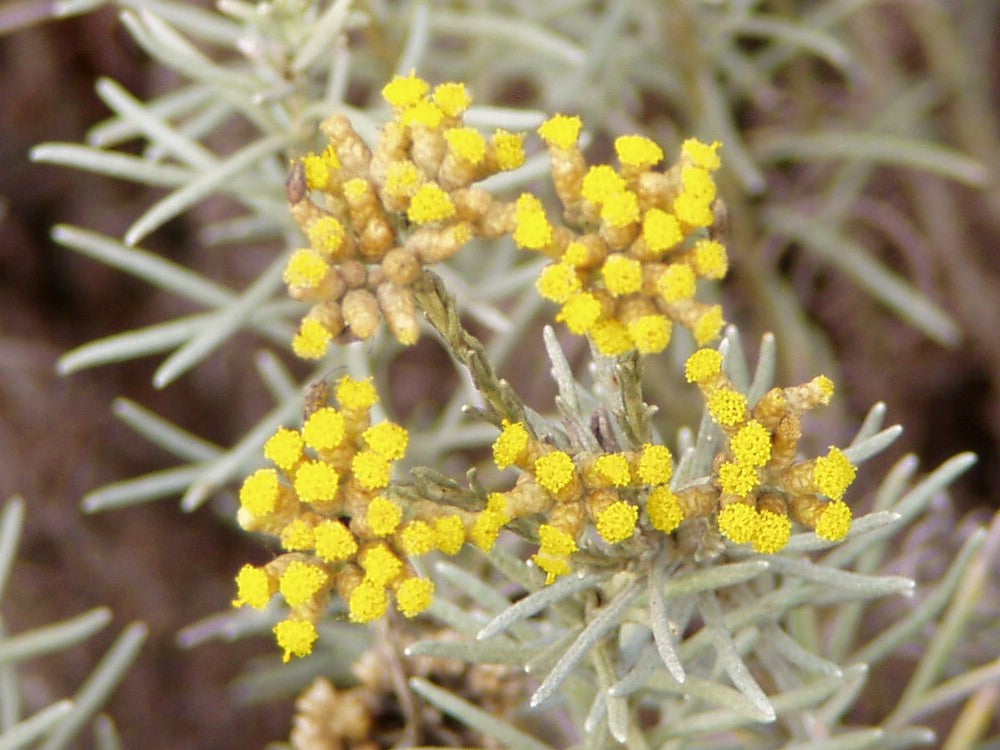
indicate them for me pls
(631, 271)
(324, 499)
(759, 484)
(570, 492)
(383, 214)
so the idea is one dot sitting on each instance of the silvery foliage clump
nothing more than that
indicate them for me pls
(706, 646)
(59, 724)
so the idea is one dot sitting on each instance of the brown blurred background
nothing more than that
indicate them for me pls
(154, 563)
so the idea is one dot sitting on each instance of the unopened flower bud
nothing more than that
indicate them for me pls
(399, 309)
(361, 313)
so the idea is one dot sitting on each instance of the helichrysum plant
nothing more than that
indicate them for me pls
(635, 546)
(602, 577)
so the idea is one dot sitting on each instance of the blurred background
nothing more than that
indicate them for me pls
(154, 563)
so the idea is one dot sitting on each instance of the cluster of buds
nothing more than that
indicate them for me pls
(385, 213)
(324, 499)
(571, 493)
(757, 488)
(632, 269)
(758, 484)
(623, 276)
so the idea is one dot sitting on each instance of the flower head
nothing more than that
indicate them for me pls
(301, 581)
(833, 473)
(295, 637)
(325, 429)
(561, 131)
(414, 595)
(616, 523)
(656, 464)
(259, 493)
(664, 509)
(554, 471)
(254, 586)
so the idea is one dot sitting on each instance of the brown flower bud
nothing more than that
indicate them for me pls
(699, 501)
(785, 441)
(361, 313)
(354, 273)
(428, 150)
(568, 517)
(329, 314)
(354, 155)
(399, 308)
(401, 266)
(498, 220)
(526, 498)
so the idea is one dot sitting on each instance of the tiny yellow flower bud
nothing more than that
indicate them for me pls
(611, 337)
(449, 534)
(772, 532)
(612, 470)
(467, 144)
(312, 339)
(259, 492)
(316, 482)
(295, 637)
(710, 259)
(651, 333)
(554, 471)
(700, 154)
(834, 521)
(738, 522)
(558, 282)
(602, 182)
(254, 586)
(708, 325)
(561, 131)
(325, 429)
(581, 312)
(833, 474)
(284, 448)
(661, 230)
(702, 366)
(301, 581)
(305, 270)
(511, 446)
(637, 151)
(430, 203)
(752, 444)
(414, 595)
(622, 275)
(383, 516)
(507, 150)
(381, 566)
(555, 542)
(388, 439)
(367, 602)
(334, 541)
(356, 395)
(664, 509)
(617, 522)
(416, 538)
(677, 282)
(738, 479)
(371, 470)
(452, 98)
(656, 464)
(405, 91)
(532, 230)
